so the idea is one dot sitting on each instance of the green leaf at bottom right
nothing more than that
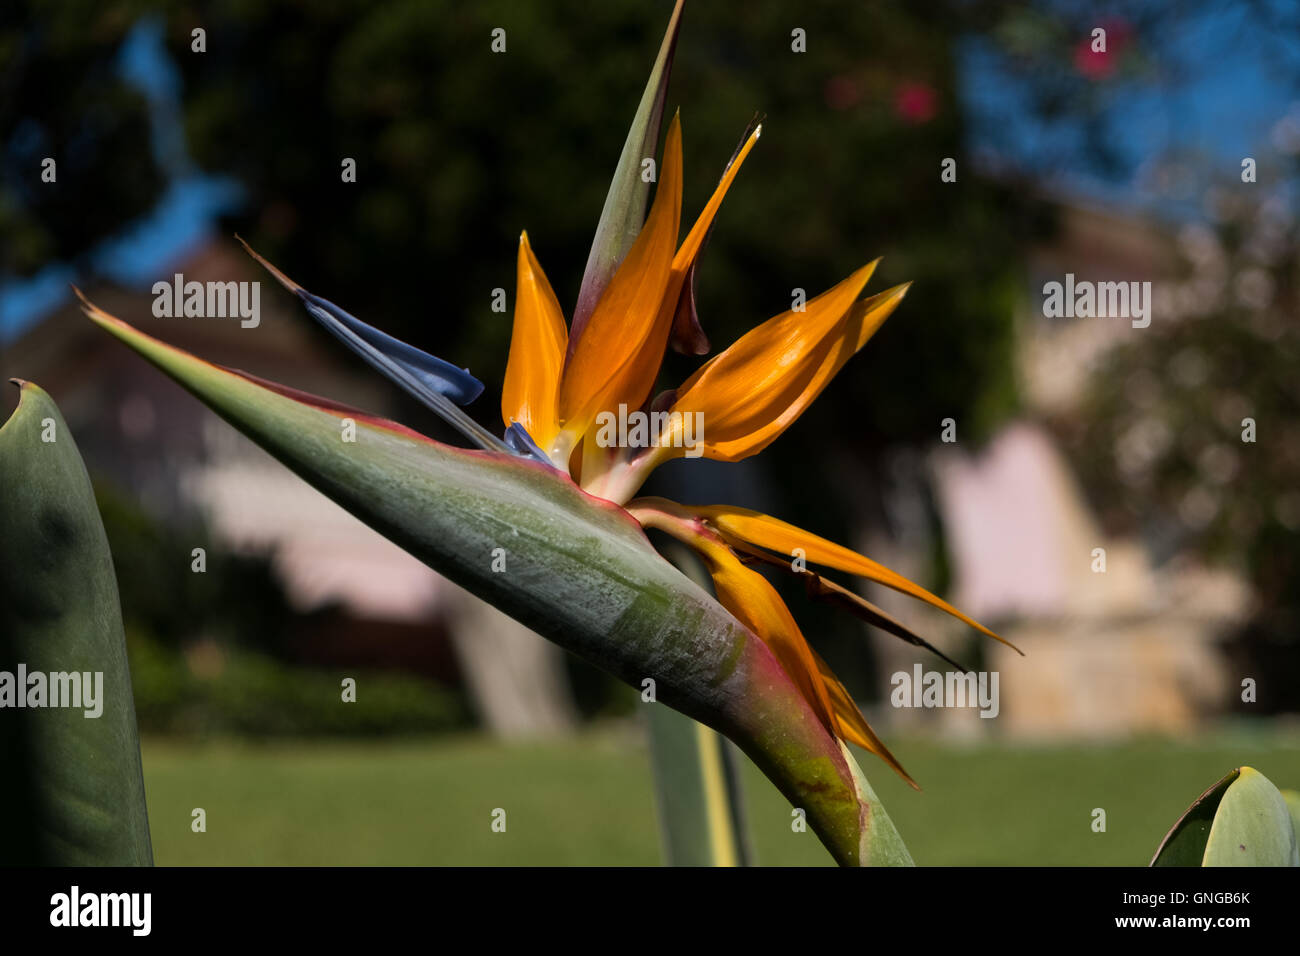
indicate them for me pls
(1243, 820)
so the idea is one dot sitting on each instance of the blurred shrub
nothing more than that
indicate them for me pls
(66, 99)
(237, 599)
(208, 652)
(213, 690)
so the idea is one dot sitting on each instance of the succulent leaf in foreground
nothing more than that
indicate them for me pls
(71, 785)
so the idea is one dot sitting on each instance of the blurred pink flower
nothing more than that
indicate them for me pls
(916, 103)
(1097, 65)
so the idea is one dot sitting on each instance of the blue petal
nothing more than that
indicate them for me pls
(521, 443)
(439, 385)
(442, 377)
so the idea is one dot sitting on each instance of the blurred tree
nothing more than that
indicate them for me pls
(64, 99)
(1191, 434)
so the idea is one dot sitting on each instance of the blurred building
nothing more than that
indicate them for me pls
(1134, 647)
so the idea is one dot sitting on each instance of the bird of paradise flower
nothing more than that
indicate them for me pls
(563, 380)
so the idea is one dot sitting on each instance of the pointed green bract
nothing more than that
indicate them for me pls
(1252, 826)
(1243, 820)
(72, 791)
(1184, 844)
(580, 573)
(625, 203)
(881, 843)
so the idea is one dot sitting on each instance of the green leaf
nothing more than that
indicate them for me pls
(579, 571)
(1252, 826)
(623, 214)
(697, 782)
(697, 791)
(1243, 820)
(1184, 844)
(73, 791)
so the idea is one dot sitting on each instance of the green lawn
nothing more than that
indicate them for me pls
(589, 801)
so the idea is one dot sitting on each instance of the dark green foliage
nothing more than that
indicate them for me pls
(73, 791)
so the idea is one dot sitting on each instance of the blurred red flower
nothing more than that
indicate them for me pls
(916, 103)
(1099, 64)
